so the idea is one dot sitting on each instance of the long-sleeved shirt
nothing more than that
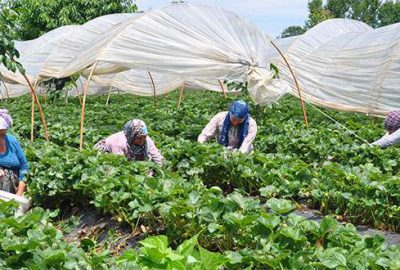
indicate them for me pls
(14, 158)
(388, 139)
(214, 127)
(118, 144)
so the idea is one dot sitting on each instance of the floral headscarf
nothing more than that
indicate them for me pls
(392, 121)
(133, 129)
(5, 119)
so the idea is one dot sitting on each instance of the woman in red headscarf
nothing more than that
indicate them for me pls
(392, 126)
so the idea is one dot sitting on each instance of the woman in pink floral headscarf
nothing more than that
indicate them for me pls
(392, 126)
(133, 142)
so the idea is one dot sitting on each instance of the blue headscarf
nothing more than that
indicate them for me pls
(239, 109)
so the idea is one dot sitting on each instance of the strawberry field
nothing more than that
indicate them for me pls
(206, 208)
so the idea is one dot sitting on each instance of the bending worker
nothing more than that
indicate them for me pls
(133, 142)
(392, 126)
(235, 129)
(13, 164)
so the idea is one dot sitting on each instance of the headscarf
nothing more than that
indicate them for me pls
(5, 119)
(133, 129)
(240, 110)
(392, 121)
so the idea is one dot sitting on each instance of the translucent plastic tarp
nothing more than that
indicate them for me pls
(190, 41)
(47, 56)
(347, 65)
(283, 44)
(102, 37)
(341, 64)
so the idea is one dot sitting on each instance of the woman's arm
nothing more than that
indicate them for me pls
(21, 188)
(154, 153)
(22, 170)
(388, 140)
(211, 128)
(24, 167)
(246, 146)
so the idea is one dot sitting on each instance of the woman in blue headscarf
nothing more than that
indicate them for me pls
(235, 129)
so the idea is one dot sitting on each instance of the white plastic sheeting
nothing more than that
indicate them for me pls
(33, 54)
(347, 65)
(190, 41)
(140, 82)
(47, 56)
(342, 64)
(8, 90)
(185, 43)
(283, 44)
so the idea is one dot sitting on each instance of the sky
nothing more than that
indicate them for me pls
(272, 16)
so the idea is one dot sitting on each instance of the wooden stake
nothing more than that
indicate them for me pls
(32, 116)
(33, 109)
(7, 92)
(108, 96)
(3, 96)
(46, 132)
(303, 107)
(85, 90)
(181, 96)
(222, 87)
(154, 90)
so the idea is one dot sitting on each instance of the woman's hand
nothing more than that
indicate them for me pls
(21, 188)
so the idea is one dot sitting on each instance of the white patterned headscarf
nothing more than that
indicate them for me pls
(133, 129)
(5, 119)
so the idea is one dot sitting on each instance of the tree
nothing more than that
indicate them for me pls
(317, 13)
(37, 17)
(292, 31)
(8, 53)
(366, 11)
(375, 13)
(338, 8)
(389, 13)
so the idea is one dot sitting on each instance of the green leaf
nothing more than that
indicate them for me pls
(187, 247)
(328, 225)
(332, 258)
(280, 206)
(53, 257)
(211, 260)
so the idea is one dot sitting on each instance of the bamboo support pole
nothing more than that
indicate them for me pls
(154, 89)
(85, 90)
(108, 96)
(32, 116)
(7, 91)
(222, 88)
(181, 96)
(46, 132)
(303, 107)
(33, 109)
